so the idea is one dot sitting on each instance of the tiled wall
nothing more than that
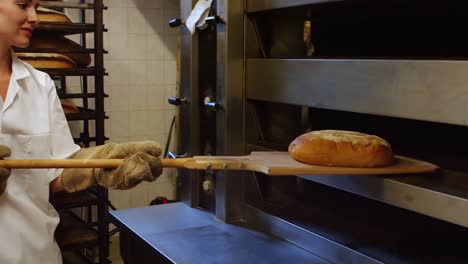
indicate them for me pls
(142, 73)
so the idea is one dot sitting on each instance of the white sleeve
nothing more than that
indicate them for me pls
(62, 144)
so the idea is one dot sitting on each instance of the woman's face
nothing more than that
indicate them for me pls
(18, 18)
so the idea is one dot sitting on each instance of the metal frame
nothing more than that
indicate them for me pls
(265, 5)
(422, 90)
(189, 135)
(230, 94)
(334, 84)
(327, 249)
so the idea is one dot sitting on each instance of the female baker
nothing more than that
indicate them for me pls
(33, 126)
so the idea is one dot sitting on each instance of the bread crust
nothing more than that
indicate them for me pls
(54, 41)
(341, 149)
(50, 15)
(47, 60)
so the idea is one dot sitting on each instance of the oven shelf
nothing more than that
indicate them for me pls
(257, 6)
(442, 195)
(413, 89)
(345, 228)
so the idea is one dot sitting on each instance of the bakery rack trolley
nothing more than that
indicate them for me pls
(78, 235)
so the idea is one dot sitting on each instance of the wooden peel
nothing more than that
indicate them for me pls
(270, 163)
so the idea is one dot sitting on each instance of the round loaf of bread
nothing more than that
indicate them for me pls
(59, 42)
(49, 15)
(47, 60)
(341, 149)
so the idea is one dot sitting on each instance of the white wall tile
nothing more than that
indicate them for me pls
(137, 47)
(171, 47)
(118, 46)
(157, 98)
(119, 121)
(156, 23)
(137, 73)
(115, 3)
(170, 74)
(119, 98)
(116, 20)
(159, 4)
(136, 22)
(156, 47)
(157, 122)
(140, 123)
(172, 4)
(118, 72)
(138, 98)
(155, 72)
(142, 74)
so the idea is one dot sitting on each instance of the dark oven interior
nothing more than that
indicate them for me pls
(363, 29)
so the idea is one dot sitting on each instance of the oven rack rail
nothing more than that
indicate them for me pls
(442, 195)
(267, 5)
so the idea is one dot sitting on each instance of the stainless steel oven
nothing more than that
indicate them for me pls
(274, 69)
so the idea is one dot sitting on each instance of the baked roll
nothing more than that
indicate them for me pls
(55, 41)
(47, 60)
(49, 15)
(341, 149)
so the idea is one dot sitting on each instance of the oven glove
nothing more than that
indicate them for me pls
(4, 173)
(141, 163)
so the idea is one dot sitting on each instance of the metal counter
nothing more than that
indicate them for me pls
(186, 235)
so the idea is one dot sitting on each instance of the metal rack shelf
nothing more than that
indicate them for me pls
(65, 28)
(84, 114)
(80, 95)
(266, 5)
(89, 139)
(74, 233)
(64, 200)
(90, 71)
(53, 50)
(52, 4)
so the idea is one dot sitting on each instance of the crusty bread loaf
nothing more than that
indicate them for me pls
(55, 41)
(342, 149)
(49, 15)
(47, 60)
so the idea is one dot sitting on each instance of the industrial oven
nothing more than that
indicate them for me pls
(265, 71)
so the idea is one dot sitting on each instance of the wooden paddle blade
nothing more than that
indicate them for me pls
(281, 163)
